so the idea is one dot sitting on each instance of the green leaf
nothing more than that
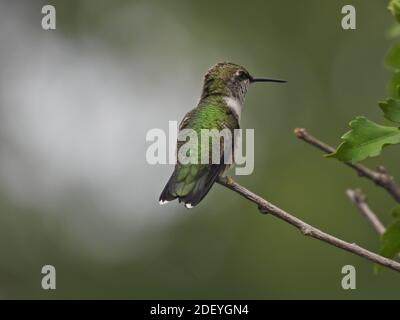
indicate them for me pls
(394, 85)
(396, 212)
(392, 59)
(394, 7)
(366, 139)
(394, 31)
(391, 109)
(390, 240)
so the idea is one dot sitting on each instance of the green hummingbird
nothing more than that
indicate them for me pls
(220, 106)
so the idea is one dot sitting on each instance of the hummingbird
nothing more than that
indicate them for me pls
(220, 106)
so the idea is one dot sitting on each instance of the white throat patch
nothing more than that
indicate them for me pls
(234, 104)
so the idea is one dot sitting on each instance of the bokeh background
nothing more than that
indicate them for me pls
(76, 191)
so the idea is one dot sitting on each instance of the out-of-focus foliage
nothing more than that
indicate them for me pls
(390, 243)
(392, 59)
(391, 109)
(394, 85)
(394, 7)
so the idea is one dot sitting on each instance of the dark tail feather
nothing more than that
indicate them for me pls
(166, 194)
(202, 187)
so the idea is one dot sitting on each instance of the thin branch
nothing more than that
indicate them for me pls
(360, 201)
(306, 229)
(380, 176)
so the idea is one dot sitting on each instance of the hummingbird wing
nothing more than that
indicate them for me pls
(191, 182)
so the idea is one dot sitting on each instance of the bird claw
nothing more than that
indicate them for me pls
(229, 180)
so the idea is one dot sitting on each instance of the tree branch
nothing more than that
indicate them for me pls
(306, 229)
(380, 176)
(360, 201)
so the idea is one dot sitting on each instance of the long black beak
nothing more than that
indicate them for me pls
(266, 80)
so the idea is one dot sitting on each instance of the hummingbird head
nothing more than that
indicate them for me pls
(230, 80)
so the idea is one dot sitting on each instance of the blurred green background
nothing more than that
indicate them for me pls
(76, 191)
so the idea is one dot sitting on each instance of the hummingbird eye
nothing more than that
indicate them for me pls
(241, 75)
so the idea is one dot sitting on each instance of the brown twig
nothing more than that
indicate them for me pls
(360, 201)
(306, 229)
(380, 176)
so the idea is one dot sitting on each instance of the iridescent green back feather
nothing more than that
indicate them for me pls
(191, 182)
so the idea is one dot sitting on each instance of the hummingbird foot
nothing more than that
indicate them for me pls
(229, 180)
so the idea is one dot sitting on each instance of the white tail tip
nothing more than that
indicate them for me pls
(163, 202)
(188, 205)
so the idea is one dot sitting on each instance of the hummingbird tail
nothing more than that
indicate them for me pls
(166, 195)
(193, 191)
(202, 187)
